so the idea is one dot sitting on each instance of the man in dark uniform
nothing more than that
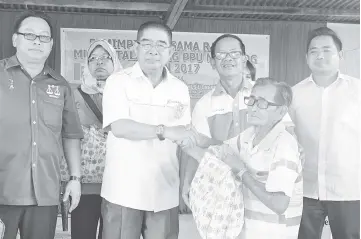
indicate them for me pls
(38, 126)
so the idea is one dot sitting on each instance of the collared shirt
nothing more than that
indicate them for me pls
(327, 123)
(219, 116)
(37, 114)
(143, 174)
(275, 162)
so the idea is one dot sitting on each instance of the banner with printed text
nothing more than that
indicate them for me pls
(190, 61)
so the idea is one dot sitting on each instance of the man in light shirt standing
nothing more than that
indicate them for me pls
(146, 109)
(326, 112)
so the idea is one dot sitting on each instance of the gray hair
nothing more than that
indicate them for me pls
(283, 90)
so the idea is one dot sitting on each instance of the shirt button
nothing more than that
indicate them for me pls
(237, 124)
(34, 165)
(33, 101)
(34, 143)
(34, 122)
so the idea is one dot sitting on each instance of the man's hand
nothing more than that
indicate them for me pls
(73, 189)
(205, 142)
(186, 143)
(183, 135)
(189, 142)
(232, 159)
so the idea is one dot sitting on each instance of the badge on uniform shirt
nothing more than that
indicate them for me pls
(53, 91)
(178, 107)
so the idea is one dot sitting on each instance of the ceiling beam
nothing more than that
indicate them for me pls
(174, 12)
(91, 4)
(270, 10)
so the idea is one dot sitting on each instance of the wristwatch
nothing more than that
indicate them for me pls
(76, 178)
(160, 131)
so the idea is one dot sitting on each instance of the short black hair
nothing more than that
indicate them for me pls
(252, 70)
(324, 31)
(157, 25)
(214, 44)
(35, 14)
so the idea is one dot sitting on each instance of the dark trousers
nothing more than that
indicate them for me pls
(33, 222)
(344, 218)
(127, 223)
(85, 218)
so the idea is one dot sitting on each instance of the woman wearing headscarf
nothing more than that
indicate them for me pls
(102, 61)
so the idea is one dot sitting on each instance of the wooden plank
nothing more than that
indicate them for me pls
(270, 10)
(91, 4)
(174, 12)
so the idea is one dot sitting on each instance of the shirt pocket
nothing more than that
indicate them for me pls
(52, 113)
(260, 162)
(140, 109)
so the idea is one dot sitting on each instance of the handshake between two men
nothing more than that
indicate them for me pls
(188, 138)
(196, 145)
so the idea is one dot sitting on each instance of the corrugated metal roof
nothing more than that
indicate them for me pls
(292, 10)
(345, 11)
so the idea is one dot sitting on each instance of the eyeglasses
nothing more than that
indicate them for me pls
(32, 37)
(96, 59)
(260, 102)
(325, 52)
(147, 45)
(232, 54)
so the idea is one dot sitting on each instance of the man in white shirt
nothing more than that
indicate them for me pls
(146, 109)
(326, 112)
